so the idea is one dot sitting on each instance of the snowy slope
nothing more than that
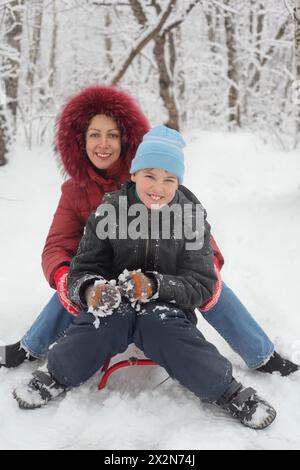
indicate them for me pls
(252, 195)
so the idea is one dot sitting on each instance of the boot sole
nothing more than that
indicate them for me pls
(264, 424)
(24, 405)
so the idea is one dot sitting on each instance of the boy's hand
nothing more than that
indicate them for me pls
(60, 279)
(136, 286)
(103, 297)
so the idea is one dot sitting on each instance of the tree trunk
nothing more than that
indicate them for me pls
(52, 64)
(108, 42)
(34, 53)
(3, 138)
(165, 80)
(139, 46)
(256, 30)
(12, 18)
(14, 25)
(232, 72)
(3, 127)
(297, 65)
(34, 50)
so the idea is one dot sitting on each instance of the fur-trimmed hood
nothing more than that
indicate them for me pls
(72, 124)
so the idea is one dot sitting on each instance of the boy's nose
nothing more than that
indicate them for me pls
(158, 188)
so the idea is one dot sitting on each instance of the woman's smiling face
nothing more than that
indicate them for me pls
(103, 141)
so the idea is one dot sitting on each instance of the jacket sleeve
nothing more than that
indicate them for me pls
(92, 262)
(195, 281)
(64, 235)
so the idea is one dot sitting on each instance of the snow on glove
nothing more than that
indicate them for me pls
(136, 286)
(103, 296)
(60, 279)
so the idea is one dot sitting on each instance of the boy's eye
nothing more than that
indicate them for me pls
(149, 176)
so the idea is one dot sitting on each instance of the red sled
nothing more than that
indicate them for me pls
(107, 370)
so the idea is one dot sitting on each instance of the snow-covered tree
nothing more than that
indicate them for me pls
(216, 64)
(10, 52)
(297, 66)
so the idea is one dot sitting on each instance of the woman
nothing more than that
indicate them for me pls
(98, 133)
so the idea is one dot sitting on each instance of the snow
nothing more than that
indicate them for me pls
(252, 194)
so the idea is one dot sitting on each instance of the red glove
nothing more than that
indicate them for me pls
(60, 279)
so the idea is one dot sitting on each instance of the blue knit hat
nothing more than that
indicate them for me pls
(161, 148)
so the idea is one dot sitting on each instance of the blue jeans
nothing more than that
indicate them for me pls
(229, 317)
(49, 326)
(235, 324)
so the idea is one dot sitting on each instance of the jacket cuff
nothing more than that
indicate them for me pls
(155, 280)
(216, 295)
(59, 273)
(77, 292)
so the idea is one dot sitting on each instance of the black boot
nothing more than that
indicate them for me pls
(246, 406)
(39, 391)
(276, 363)
(14, 355)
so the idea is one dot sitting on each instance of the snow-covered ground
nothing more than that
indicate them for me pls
(252, 195)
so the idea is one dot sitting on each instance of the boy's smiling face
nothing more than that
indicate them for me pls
(155, 187)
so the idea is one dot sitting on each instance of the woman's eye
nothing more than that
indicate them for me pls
(114, 136)
(94, 135)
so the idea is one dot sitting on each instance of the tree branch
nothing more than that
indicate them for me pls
(143, 42)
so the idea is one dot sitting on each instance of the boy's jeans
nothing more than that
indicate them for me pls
(229, 317)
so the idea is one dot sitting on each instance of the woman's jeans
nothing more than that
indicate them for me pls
(229, 317)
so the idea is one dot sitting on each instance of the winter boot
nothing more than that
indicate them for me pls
(41, 389)
(14, 355)
(276, 363)
(246, 406)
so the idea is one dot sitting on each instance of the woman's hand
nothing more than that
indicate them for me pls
(60, 279)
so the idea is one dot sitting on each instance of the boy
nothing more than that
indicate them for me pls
(162, 277)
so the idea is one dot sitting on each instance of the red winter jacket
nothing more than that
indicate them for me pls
(75, 205)
(83, 193)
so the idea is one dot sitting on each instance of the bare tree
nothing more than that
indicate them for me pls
(164, 49)
(297, 63)
(52, 62)
(3, 127)
(229, 62)
(34, 55)
(165, 72)
(13, 24)
(108, 41)
(232, 69)
(146, 38)
(166, 77)
(3, 138)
